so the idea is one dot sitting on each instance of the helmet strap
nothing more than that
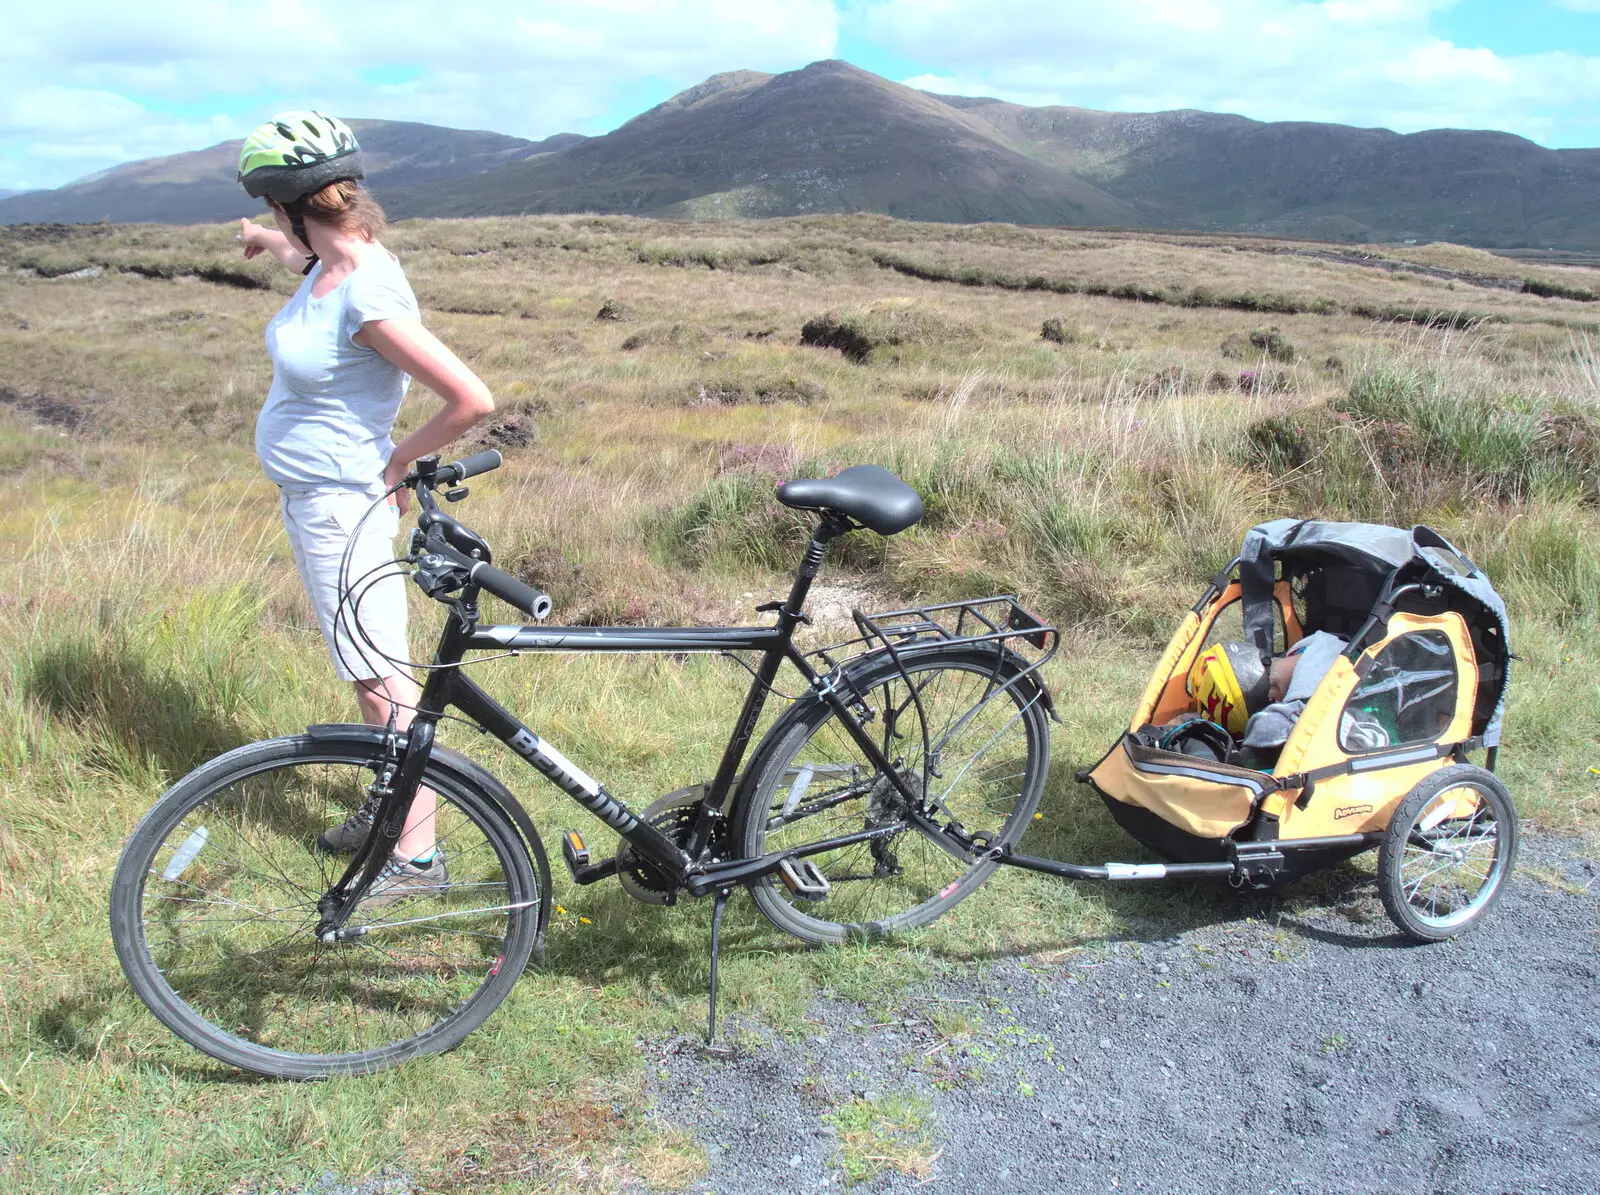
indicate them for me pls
(296, 211)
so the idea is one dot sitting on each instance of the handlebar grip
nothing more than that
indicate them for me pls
(469, 466)
(508, 589)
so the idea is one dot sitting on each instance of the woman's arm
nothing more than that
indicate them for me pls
(268, 240)
(407, 344)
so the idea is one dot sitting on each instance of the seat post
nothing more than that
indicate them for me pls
(827, 530)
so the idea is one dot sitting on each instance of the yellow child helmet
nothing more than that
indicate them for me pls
(1229, 683)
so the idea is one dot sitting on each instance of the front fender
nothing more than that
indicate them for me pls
(475, 774)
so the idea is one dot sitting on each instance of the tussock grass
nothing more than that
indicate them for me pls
(154, 617)
(863, 333)
(1423, 425)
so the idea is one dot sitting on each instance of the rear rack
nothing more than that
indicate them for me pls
(1001, 619)
(1019, 638)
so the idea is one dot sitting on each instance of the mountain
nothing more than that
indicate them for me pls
(826, 138)
(833, 138)
(1204, 170)
(202, 186)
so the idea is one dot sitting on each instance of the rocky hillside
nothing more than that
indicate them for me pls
(833, 138)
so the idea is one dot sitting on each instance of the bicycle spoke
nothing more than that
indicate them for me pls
(233, 936)
(986, 753)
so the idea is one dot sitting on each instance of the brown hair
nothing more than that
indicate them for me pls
(349, 207)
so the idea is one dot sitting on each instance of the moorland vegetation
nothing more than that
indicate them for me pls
(1093, 419)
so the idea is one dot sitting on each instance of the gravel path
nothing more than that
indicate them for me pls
(1266, 1053)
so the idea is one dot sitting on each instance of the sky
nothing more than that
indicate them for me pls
(91, 83)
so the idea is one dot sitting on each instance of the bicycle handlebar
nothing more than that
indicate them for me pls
(497, 581)
(508, 589)
(440, 530)
(468, 466)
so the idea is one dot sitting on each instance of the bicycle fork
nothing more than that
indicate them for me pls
(397, 783)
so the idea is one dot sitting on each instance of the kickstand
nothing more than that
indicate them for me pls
(716, 938)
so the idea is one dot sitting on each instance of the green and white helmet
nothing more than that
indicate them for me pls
(297, 154)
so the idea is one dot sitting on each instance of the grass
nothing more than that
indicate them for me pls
(155, 618)
(884, 1133)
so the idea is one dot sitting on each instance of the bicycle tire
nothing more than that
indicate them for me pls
(1447, 853)
(187, 913)
(911, 869)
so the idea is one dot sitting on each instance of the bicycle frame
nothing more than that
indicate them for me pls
(447, 686)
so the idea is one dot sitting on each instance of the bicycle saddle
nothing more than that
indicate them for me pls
(872, 496)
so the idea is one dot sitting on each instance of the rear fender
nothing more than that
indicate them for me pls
(476, 775)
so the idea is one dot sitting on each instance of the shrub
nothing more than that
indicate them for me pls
(829, 331)
(1411, 436)
(1057, 331)
(734, 522)
(1274, 344)
(1259, 342)
(1265, 381)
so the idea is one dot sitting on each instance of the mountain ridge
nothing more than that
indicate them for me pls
(830, 137)
(201, 186)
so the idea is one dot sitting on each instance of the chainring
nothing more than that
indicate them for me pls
(673, 815)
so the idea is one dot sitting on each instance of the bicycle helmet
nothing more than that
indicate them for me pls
(1194, 735)
(1229, 683)
(296, 154)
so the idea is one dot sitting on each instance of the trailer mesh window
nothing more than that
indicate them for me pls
(1409, 696)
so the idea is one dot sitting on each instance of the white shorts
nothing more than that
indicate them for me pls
(320, 523)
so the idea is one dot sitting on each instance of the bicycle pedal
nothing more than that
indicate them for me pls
(804, 879)
(577, 854)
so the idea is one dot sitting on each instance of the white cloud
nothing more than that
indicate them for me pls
(519, 67)
(1362, 62)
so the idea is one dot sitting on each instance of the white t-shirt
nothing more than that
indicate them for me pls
(328, 415)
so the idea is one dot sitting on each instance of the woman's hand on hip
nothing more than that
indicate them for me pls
(407, 344)
(393, 476)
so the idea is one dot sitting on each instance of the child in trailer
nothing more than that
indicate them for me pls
(1255, 700)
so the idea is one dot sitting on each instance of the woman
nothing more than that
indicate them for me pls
(342, 349)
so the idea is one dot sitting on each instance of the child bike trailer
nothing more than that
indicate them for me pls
(1413, 640)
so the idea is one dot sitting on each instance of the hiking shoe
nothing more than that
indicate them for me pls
(403, 878)
(347, 837)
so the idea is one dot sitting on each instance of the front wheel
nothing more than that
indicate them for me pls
(1447, 853)
(988, 745)
(214, 906)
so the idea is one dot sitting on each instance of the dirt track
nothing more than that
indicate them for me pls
(1286, 1053)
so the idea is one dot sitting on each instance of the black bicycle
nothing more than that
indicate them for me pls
(890, 789)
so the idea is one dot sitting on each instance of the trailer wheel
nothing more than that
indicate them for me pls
(1447, 853)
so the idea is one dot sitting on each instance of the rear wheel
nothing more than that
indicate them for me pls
(1447, 853)
(214, 908)
(988, 747)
